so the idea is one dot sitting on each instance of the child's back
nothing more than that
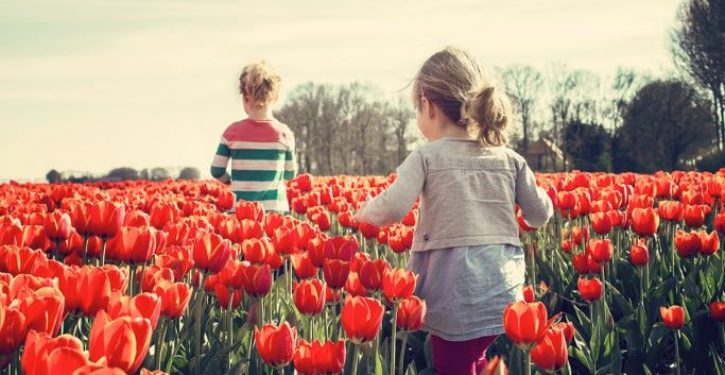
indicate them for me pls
(262, 158)
(261, 149)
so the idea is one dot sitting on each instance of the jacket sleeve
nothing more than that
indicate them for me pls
(536, 207)
(395, 202)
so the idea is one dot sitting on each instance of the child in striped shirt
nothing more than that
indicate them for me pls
(261, 148)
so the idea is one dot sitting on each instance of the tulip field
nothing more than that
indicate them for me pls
(178, 277)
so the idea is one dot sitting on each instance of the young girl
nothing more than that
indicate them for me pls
(261, 148)
(466, 247)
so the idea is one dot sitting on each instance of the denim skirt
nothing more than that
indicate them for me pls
(466, 288)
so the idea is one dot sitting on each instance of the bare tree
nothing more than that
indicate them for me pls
(698, 47)
(523, 85)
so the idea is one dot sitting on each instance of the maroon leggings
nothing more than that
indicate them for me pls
(460, 357)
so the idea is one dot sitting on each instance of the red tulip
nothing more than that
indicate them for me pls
(161, 214)
(42, 308)
(495, 366)
(411, 314)
(601, 223)
(276, 345)
(35, 238)
(354, 287)
(673, 317)
(717, 311)
(695, 215)
(719, 223)
(309, 297)
(639, 254)
(105, 218)
(226, 296)
(645, 221)
(343, 248)
(361, 318)
(358, 260)
(211, 252)
(57, 226)
(13, 329)
(709, 243)
(551, 353)
(304, 182)
(529, 295)
(316, 249)
(123, 341)
(257, 280)
(303, 266)
(317, 358)
(398, 284)
(133, 244)
(371, 273)
(256, 250)
(249, 210)
(94, 291)
(589, 289)
(80, 213)
(567, 328)
(671, 210)
(143, 305)
(231, 275)
(174, 298)
(600, 250)
(45, 355)
(368, 230)
(335, 272)
(136, 218)
(225, 200)
(687, 243)
(525, 323)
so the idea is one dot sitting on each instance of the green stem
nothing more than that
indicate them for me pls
(677, 351)
(160, 342)
(197, 323)
(85, 249)
(527, 362)
(131, 280)
(103, 250)
(402, 354)
(393, 338)
(355, 359)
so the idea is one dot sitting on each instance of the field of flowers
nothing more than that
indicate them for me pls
(177, 277)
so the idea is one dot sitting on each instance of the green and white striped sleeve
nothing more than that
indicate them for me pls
(220, 162)
(290, 163)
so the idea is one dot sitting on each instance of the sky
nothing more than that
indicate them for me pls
(93, 85)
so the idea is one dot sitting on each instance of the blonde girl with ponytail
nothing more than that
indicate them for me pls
(466, 248)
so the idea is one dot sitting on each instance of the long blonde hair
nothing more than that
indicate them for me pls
(455, 82)
(259, 83)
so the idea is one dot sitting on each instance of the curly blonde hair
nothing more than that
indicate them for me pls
(455, 82)
(259, 83)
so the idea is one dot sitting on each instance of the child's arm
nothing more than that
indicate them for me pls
(396, 201)
(536, 207)
(219, 164)
(290, 162)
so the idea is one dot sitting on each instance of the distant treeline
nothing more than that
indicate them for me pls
(125, 174)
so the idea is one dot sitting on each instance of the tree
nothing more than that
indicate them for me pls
(345, 129)
(144, 174)
(122, 174)
(523, 85)
(53, 176)
(159, 174)
(666, 122)
(189, 173)
(588, 145)
(698, 47)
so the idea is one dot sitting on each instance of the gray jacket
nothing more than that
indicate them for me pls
(467, 195)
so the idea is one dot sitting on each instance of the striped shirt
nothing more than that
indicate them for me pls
(263, 157)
